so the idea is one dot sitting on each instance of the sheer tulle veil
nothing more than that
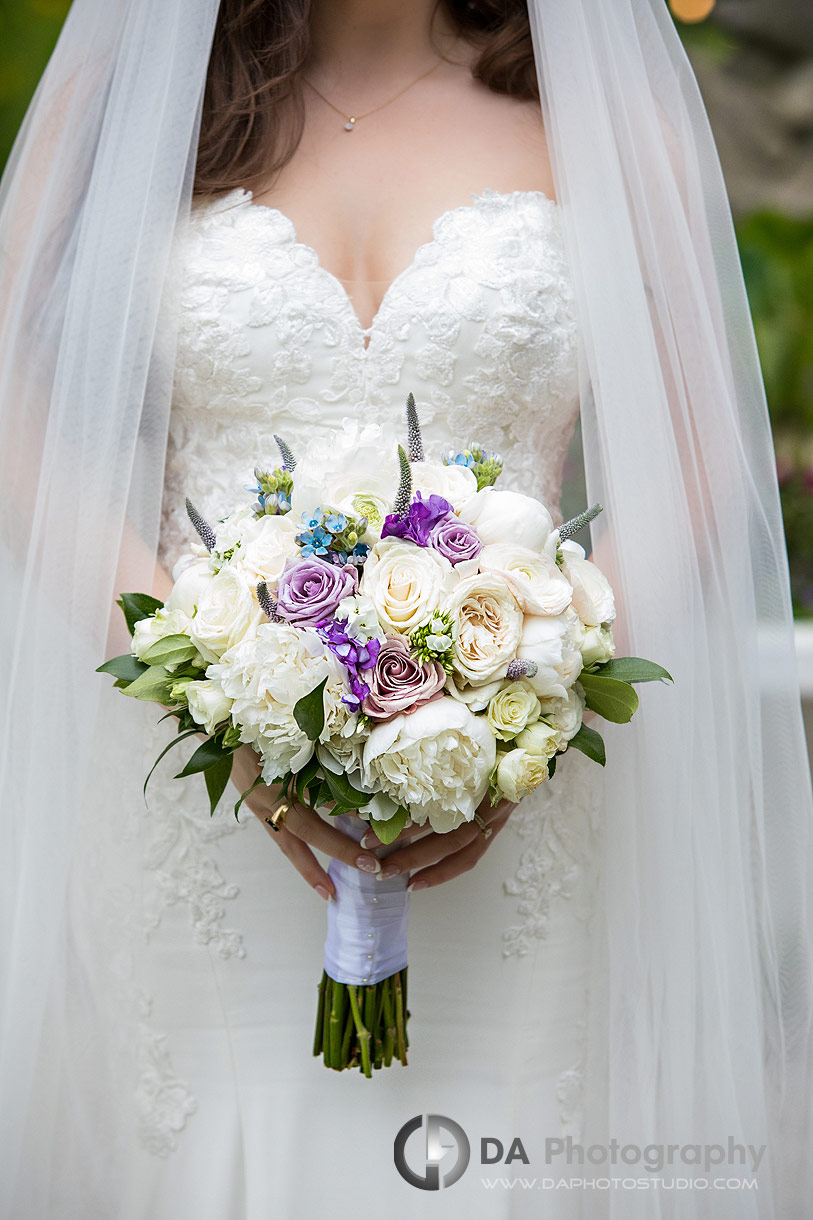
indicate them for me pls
(700, 1000)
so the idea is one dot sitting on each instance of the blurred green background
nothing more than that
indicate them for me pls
(754, 64)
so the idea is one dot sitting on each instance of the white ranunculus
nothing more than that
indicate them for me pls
(227, 613)
(405, 583)
(455, 483)
(519, 773)
(598, 645)
(356, 459)
(504, 516)
(540, 740)
(512, 708)
(158, 626)
(565, 714)
(264, 676)
(190, 585)
(267, 543)
(534, 576)
(487, 622)
(208, 705)
(552, 642)
(592, 596)
(436, 761)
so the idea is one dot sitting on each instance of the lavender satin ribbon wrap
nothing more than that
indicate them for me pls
(367, 923)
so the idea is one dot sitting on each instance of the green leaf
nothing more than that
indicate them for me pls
(126, 666)
(343, 791)
(305, 777)
(608, 697)
(392, 827)
(212, 751)
(171, 650)
(136, 606)
(309, 712)
(166, 750)
(633, 669)
(551, 765)
(247, 792)
(217, 776)
(153, 685)
(590, 743)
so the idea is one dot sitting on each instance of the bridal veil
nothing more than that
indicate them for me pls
(701, 1012)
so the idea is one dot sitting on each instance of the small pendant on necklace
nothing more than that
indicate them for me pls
(350, 124)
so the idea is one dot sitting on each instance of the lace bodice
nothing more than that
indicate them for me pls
(480, 327)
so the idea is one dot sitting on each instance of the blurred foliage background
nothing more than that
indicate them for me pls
(754, 64)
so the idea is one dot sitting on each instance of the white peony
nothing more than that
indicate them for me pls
(511, 709)
(565, 714)
(487, 627)
(519, 773)
(505, 516)
(191, 583)
(264, 676)
(552, 642)
(534, 577)
(356, 460)
(476, 698)
(455, 483)
(227, 612)
(436, 761)
(592, 596)
(597, 646)
(208, 705)
(405, 583)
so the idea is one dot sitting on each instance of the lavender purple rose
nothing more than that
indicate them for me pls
(309, 590)
(399, 682)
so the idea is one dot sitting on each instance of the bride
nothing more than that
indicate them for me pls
(226, 222)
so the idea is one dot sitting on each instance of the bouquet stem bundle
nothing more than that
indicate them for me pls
(362, 1026)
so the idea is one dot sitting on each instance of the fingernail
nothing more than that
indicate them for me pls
(320, 889)
(389, 870)
(370, 839)
(417, 885)
(369, 864)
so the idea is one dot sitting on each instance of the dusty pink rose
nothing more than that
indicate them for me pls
(400, 682)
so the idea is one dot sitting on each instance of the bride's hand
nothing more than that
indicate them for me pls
(302, 829)
(439, 857)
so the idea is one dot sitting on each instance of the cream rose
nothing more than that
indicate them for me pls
(519, 772)
(266, 545)
(597, 646)
(436, 761)
(158, 626)
(455, 483)
(405, 583)
(503, 516)
(540, 740)
(534, 577)
(487, 627)
(551, 641)
(593, 598)
(565, 714)
(227, 613)
(208, 706)
(514, 707)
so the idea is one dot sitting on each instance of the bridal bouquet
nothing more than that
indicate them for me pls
(396, 637)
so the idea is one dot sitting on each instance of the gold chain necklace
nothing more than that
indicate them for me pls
(352, 119)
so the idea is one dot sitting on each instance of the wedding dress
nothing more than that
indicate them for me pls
(238, 1121)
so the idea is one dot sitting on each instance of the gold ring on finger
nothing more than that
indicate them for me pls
(277, 818)
(487, 830)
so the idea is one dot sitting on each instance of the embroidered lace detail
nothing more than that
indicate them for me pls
(164, 1101)
(570, 1100)
(180, 836)
(558, 823)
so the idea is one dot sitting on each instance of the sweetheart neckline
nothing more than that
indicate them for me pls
(366, 332)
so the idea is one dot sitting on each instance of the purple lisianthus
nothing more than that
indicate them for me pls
(399, 682)
(355, 655)
(309, 590)
(455, 540)
(419, 522)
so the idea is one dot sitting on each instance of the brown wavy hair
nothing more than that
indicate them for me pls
(253, 111)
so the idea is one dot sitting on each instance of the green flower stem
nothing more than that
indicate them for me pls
(362, 1027)
(337, 1025)
(362, 1031)
(400, 1020)
(320, 1015)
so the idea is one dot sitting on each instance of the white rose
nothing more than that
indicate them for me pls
(190, 585)
(540, 740)
(534, 577)
(519, 773)
(208, 705)
(354, 460)
(264, 676)
(551, 642)
(598, 645)
(504, 516)
(592, 596)
(436, 761)
(487, 627)
(266, 546)
(405, 583)
(565, 714)
(511, 709)
(227, 613)
(455, 483)
(158, 626)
